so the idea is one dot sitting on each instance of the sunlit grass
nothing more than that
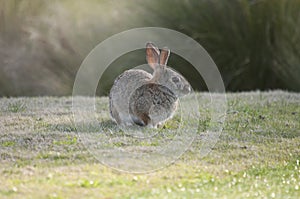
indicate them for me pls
(256, 156)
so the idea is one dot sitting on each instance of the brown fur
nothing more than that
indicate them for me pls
(137, 97)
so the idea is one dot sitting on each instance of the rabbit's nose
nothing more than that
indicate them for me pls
(187, 89)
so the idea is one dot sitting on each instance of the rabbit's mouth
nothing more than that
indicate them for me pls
(186, 90)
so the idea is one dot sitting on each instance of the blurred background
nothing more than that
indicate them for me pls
(255, 43)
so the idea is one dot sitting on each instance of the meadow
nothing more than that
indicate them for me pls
(247, 146)
(257, 154)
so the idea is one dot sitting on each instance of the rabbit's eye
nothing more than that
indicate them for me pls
(175, 79)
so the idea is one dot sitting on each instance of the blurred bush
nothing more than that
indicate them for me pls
(255, 43)
(42, 43)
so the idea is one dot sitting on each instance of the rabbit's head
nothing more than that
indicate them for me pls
(164, 75)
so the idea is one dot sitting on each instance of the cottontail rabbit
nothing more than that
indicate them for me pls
(137, 97)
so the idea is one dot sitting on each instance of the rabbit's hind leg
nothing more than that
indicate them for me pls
(114, 114)
(142, 119)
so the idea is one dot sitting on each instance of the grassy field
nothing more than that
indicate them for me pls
(257, 154)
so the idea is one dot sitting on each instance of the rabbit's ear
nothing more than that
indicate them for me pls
(164, 56)
(152, 55)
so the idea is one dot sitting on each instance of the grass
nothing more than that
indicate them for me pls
(257, 155)
(16, 107)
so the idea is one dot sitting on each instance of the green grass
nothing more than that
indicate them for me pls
(257, 155)
(16, 107)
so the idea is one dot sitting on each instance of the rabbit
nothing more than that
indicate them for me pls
(140, 98)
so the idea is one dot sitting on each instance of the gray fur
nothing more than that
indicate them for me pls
(137, 97)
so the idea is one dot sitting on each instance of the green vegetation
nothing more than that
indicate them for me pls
(256, 156)
(255, 43)
(16, 107)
